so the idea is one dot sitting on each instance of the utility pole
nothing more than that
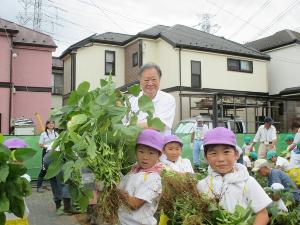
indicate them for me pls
(24, 17)
(37, 15)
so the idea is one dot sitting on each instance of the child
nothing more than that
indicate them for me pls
(294, 171)
(280, 162)
(11, 219)
(247, 146)
(171, 156)
(229, 182)
(142, 186)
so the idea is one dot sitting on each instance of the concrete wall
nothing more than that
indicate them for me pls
(56, 101)
(283, 70)
(90, 65)
(215, 75)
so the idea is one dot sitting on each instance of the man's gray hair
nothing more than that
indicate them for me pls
(150, 66)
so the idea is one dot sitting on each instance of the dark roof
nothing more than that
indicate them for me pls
(153, 32)
(186, 37)
(179, 36)
(279, 39)
(57, 63)
(292, 90)
(26, 36)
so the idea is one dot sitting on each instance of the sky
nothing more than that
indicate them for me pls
(69, 21)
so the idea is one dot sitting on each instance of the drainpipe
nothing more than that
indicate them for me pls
(180, 85)
(73, 69)
(215, 111)
(10, 86)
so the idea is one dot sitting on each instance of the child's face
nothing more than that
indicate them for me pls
(146, 156)
(274, 159)
(289, 142)
(222, 158)
(172, 150)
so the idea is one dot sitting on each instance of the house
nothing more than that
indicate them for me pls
(206, 74)
(283, 47)
(57, 82)
(25, 74)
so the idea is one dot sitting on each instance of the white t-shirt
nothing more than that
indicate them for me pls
(48, 137)
(145, 186)
(164, 108)
(282, 163)
(264, 134)
(237, 188)
(295, 159)
(181, 165)
(200, 131)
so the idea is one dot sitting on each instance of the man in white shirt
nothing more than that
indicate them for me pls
(198, 133)
(164, 103)
(266, 135)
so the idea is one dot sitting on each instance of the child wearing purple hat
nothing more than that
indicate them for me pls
(229, 182)
(14, 144)
(142, 186)
(171, 156)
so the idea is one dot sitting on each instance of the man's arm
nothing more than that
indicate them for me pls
(261, 217)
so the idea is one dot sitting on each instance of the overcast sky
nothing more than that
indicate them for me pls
(69, 21)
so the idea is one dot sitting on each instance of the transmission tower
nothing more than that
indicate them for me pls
(205, 24)
(37, 15)
(24, 17)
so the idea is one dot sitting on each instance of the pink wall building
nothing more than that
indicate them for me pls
(25, 74)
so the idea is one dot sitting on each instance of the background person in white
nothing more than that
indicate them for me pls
(164, 103)
(266, 135)
(198, 133)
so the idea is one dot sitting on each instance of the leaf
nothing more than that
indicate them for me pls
(91, 150)
(68, 168)
(103, 82)
(4, 153)
(83, 88)
(133, 119)
(80, 163)
(102, 99)
(1, 138)
(79, 119)
(16, 170)
(22, 154)
(4, 202)
(134, 90)
(54, 169)
(73, 98)
(146, 104)
(156, 123)
(4, 171)
(83, 201)
(2, 218)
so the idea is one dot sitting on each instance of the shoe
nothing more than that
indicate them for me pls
(39, 190)
(68, 209)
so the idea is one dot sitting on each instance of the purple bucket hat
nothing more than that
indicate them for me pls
(15, 143)
(172, 138)
(151, 138)
(219, 135)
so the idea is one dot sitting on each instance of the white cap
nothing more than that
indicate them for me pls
(277, 186)
(259, 164)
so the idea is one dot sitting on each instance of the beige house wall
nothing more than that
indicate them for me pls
(67, 75)
(215, 75)
(90, 65)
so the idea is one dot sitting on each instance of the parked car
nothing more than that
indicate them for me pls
(184, 128)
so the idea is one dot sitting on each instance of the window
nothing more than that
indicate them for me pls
(135, 59)
(57, 84)
(196, 74)
(240, 65)
(110, 62)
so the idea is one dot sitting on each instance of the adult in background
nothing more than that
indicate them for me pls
(266, 135)
(46, 138)
(198, 133)
(164, 103)
(295, 128)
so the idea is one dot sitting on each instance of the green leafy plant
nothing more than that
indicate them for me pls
(94, 136)
(13, 188)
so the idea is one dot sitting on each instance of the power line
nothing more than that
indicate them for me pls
(277, 18)
(259, 10)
